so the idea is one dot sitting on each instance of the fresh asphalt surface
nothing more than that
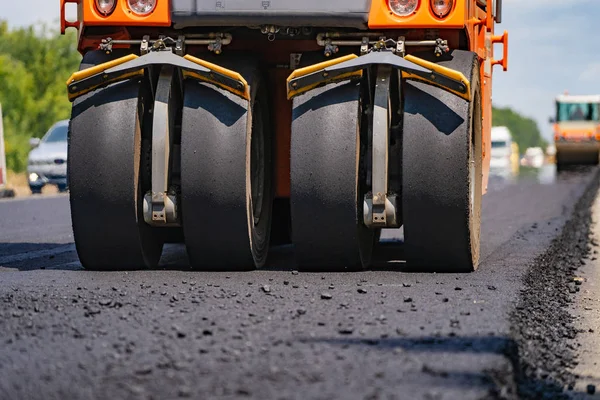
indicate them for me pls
(67, 333)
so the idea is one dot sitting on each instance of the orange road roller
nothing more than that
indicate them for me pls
(236, 125)
(577, 129)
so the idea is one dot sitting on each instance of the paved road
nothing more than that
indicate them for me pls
(279, 334)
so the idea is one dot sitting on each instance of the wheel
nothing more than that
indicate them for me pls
(442, 172)
(35, 189)
(561, 161)
(62, 188)
(108, 132)
(226, 173)
(327, 180)
(565, 158)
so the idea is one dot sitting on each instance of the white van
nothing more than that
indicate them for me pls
(501, 156)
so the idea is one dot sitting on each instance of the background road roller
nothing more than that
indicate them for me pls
(577, 129)
(233, 125)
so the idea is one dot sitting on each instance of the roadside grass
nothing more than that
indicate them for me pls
(18, 182)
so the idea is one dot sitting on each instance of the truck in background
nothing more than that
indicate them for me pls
(502, 160)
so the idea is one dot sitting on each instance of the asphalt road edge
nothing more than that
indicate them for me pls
(541, 322)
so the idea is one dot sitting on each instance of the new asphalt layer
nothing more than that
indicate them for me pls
(500, 332)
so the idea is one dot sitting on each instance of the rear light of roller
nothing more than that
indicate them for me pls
(105, 7)
(441, 8)
(142, 7)
(403, 8)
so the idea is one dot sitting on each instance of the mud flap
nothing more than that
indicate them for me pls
(130, 66)
(350, 67)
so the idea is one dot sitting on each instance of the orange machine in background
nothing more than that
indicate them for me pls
(577, 129)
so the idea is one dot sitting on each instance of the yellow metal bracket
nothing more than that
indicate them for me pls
(440, 77)
(304, 79)
(219, 76)
(130, 66)
(351, 66)
(96, 77)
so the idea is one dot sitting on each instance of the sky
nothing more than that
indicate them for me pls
(552, 49)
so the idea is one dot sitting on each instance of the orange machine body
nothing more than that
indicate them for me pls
(577, 133)
(468, 26)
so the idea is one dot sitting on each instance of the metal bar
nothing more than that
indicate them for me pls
(225, 40)
(359, 43)
(161, 132)
(381, 125)
(349, 34)
(160, 206)
(406, 43)
(499, 11)
(420, 43)
(191, 42)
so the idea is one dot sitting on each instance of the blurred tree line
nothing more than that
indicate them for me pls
(524, 130)
(35, 63)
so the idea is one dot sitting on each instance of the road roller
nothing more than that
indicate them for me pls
(233, 126)
(577, 129)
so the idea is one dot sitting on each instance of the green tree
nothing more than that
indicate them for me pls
(35, 63)
(524, 130)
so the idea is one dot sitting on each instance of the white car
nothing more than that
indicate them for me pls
(534, 157)
(48, 160)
